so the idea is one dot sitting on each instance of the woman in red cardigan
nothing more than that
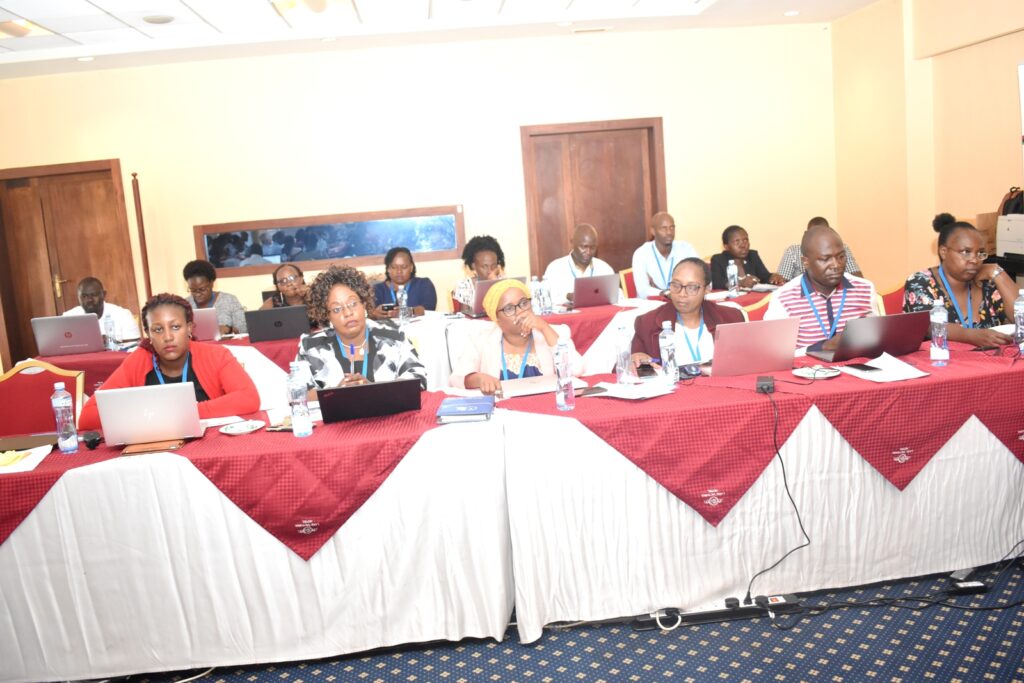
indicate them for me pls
(168, 354)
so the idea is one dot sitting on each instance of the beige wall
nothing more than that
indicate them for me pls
(749, 132)
(944, 25)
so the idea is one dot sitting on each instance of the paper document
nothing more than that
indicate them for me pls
(23, 461)
(634, 392)
(890, 369)
(219, 421)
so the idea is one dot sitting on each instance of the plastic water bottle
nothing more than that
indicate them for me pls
(624, 371)
(537, 303)
(940, 345)
(732, 275)
(547, 308)
(1018, 320)
(667, 349)
(565, 394)
(64, 415)
(109, 334)
(404, 314)
(302, 423)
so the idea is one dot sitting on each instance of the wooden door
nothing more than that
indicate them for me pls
(60, 224)
(607, 173)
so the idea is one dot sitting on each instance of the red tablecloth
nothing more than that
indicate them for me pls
(97, 366)
(585, 325)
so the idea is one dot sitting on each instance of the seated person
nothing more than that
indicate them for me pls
(519, 344)
(823, 298)
(791, 264)
(400, 271)
(483, 257)
(561, 273)
(291, 291)
(92, 298)
(752, 270)
(200, 276)
(693, 319)
(352, 349)
(974, 293)
(654, 261)
(168, 354)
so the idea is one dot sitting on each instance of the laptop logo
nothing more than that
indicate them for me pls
(307, 527)
(67, 335)
(278, 323)
(902, 455)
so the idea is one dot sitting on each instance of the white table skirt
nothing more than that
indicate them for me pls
(594, 537)
(141, 564)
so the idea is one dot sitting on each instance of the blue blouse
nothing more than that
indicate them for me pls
(420, 290)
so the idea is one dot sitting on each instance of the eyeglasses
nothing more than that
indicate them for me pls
(691, 288)
(200, 290)
(510, 309)
(290, 279)
(350, 307)
(967, 254)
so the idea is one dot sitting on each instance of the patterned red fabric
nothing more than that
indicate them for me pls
(281, 352)
(586, 325)
(96, 366)
(705, 444)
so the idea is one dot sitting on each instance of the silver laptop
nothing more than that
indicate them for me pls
(752, 347)
(151, 413)
(482, 287)
(61, 335)
(897, 335)
(204, 324)
(287, 322)
(599, 290)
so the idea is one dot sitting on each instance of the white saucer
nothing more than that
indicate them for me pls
(238, 428)
(816, 372)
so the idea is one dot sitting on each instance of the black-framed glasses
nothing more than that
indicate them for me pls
(691, 288)
(510, 309)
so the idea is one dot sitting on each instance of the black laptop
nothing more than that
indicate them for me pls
(271, 324)
(870, 337)
(369, 400)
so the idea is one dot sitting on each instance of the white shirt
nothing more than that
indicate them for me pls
(124, 322)
(649, 265)
(561, 276)
(705, 346)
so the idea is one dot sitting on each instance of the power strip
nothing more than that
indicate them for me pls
(765, 606)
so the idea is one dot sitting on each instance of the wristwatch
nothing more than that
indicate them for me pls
(997, 272)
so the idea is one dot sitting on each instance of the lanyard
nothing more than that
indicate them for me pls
(160, 375)
(829, 333)
(352, 351)
(694, 353)
(213, 300)
(394, 299)
(522, 365)
(657, 259)
(967, 321)
(572, 268)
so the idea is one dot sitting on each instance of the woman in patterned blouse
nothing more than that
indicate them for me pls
(974, 292)
(353, 349)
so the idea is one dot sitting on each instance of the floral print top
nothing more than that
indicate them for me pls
(923, 287)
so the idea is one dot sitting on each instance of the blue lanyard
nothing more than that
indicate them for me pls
(657, 259)
(572, 268)
(394, 300)
(352, 351)
(160, 375)
(694, 353)
(835, 320)
(968, 321)
(213, 300)
(522, 365)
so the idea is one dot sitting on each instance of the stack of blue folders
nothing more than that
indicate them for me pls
(465, 409)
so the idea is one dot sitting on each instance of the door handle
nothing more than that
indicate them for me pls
(58, 291)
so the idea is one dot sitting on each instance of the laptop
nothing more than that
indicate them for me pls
(61, 335)
(538, 384)
(204, 324)
(369, 400)
(482, 287)
(287, 322)
(599, 290)
(897, 335)
(150, 413)
(752, 347)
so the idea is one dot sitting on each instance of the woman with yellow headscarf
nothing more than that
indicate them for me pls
(519, 344)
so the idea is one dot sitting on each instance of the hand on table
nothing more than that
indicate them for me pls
(351, 379)
(776, 279)
(639, 358)
(988, 337)
(489, 386)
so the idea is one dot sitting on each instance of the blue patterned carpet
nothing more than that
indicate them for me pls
(885, 642)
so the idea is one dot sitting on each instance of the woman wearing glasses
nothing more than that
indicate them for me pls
(291, 290)
(518, 345)
(353, 349)
(974, 292)
(693, 319)
(200, 276)
(400, 271)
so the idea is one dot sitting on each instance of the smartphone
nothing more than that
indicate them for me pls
(387, 308)
(645, 370)
(863, 367)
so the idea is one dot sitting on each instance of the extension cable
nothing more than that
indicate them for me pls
(765, 606)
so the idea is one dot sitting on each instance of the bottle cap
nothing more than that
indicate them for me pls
(58, 386)
(666, 324)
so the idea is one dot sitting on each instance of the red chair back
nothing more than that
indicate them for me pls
(25, 397)
(627, 284)
(893, 301)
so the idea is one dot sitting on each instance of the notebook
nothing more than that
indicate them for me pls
(61, 335)
(752, 347)
(599, 290)
(149, 413)
(538, 384)
(465, 409)
(897, 335)
(369, 400)
(482, 286)
(204, 324)
(288, 322)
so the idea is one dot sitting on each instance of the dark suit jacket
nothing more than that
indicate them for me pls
(648, 326)
(753, 265)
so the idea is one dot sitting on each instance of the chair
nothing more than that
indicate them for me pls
(25, 392)
(892, 301)
(627, 284)
(757, 310)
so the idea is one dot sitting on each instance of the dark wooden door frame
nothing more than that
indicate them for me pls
(657, 156)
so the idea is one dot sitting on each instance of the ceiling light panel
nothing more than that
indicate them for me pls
(677, 8)
(331, 16)
(38, 9)
(400, 12)
(234, 16)
(147, 7)
(101, 21)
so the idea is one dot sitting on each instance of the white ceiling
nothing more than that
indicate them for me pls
(115, 33)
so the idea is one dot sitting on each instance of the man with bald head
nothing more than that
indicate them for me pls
(791, 266)
(92, 298)
(653, 261)
(582, 261)
(824, 298)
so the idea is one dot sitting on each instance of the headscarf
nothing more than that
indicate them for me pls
(493, 295)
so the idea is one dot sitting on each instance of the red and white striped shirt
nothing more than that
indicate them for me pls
(789, 301)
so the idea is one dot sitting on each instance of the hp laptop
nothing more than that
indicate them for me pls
(753, 347)
(482, 286)
(897, 335)
(61, 335)
(369, 400)
(599, 290)
(151, 413)
(287, 322)
(204, 324)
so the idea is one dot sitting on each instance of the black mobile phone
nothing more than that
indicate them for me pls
(646, 370)
(863, 367)
(387, 308)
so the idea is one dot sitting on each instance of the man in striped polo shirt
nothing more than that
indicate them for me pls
(823, 298)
